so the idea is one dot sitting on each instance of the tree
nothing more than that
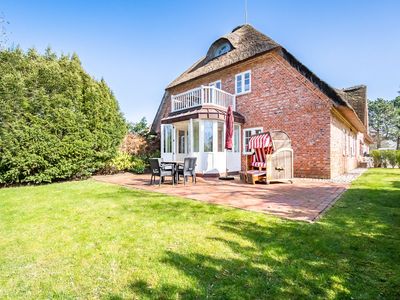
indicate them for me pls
(140, 128)
(382, 118)
(56, 122)
(140, 140)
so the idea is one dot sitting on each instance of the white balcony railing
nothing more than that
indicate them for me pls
(200, 96)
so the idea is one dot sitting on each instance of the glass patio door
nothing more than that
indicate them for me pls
(168, 142)
(181, 144)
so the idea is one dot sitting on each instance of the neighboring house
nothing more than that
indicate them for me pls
(269, 89)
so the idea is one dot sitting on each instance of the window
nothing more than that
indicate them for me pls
(222, 49)
(208, 136)
(221, 137)
(196, 136)
(167, 147)
(247, 133)
(360, 148)
(243, 83)
(353, 146)
(216, 84)
(344, 147)
(181, 140)
(236, 137)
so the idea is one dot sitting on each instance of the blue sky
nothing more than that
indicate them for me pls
(138, 47)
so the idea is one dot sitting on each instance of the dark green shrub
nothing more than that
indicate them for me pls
(56, 122)
(391, 157)
(139, 165)
(377, 157)
(384, 157)
(398, 158)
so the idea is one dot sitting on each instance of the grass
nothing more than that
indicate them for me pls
(93, 240)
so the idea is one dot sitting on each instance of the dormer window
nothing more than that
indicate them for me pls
(218, 48)
(222, 49)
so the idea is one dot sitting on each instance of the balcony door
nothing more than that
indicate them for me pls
(217, 84)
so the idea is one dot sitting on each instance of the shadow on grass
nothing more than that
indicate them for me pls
(352, 252)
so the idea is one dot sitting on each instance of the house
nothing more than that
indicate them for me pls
(268, 89)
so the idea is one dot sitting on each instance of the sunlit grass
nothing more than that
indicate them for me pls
(92, 240)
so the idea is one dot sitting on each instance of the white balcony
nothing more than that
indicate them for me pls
(201, 96)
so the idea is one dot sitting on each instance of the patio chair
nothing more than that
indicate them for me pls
(165, 165)
(188, 169)
(161, 170)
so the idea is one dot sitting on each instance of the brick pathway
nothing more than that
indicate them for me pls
(303, 200)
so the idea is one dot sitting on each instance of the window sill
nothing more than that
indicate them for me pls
(243, 93)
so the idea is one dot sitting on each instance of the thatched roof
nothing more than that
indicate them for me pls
(356, 96)
(155, 126)
(246, 42)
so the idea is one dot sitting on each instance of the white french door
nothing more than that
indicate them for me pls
(168, 145)
(181, 143)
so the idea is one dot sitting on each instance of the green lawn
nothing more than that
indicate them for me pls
(93, 240)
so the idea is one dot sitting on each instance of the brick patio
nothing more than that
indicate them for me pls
(303, 200)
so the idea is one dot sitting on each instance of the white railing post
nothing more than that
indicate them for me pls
(202, 94)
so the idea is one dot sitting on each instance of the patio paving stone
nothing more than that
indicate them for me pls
(303, 200)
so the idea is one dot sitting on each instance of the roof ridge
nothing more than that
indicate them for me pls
(355, 87)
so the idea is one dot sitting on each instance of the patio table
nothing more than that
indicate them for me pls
(176, 165)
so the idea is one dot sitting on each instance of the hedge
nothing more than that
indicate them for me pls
(56, 122)
(385, 158)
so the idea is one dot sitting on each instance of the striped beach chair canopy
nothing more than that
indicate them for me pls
(261, 145)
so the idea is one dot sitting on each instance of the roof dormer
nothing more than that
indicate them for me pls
(218, 48)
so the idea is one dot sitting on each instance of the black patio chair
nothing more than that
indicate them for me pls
(188, 169)
(161, 170)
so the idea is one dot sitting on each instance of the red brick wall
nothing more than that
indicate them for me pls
(281, 99)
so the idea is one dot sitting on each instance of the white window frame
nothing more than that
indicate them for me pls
(213, 132)
(223, 137)
(214, 84)
(164, 146)
(198, 136)
(243, 84)
(253, 132)
(238, 138)
(217, 52)
(353, 146)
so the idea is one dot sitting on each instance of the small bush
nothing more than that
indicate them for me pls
(391, 157)
(398, 158)
(122, 162)
(139, 165)
(125, 162)
(134, 144)
(384, 158)
(377, 157)
(384, 155)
